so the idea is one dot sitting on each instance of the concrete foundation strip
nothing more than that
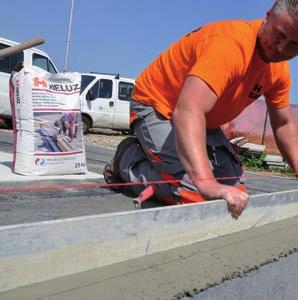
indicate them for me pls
(36, 252)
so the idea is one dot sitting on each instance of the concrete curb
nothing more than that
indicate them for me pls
(36, 252)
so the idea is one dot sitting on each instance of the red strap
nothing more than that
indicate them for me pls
(190, 197)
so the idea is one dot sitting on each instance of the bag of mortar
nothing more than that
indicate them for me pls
(48, 133)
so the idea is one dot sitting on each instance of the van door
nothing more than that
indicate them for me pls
(100, 103)
(7, 64)
(121, 118)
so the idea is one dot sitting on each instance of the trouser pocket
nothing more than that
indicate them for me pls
(227, 167)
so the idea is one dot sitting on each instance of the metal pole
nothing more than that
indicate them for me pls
(264, 129)
(68, 36)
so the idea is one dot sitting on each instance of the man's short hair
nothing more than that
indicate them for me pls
(281, 6)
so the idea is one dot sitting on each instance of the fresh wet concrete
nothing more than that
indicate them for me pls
(175, 273)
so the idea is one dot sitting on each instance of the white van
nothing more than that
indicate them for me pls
(31, 56)
(105, 101)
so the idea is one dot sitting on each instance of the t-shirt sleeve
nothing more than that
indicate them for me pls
(219, 61)
(279, 95)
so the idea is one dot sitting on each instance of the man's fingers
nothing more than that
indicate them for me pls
(235, 216)
(231, 207)
(237, 203)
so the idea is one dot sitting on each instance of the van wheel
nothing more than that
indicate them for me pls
(86, 124)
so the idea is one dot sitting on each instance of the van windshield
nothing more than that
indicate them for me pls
(86, 79)
(8, 63)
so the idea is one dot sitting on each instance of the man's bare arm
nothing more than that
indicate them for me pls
(190, 126)
(286, 134)
(189, 118)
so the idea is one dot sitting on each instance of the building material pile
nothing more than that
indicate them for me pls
(250, 149)
(275, 161)
(247, 149)
(244, 148)
(48, 135)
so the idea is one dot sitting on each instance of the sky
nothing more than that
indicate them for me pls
(117, 36)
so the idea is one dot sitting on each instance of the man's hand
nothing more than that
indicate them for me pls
(235, 198)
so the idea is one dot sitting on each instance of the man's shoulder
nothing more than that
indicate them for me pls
(280, 70)
(240, 35)
(236, 29)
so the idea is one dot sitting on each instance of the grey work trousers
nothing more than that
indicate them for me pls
(154, 157)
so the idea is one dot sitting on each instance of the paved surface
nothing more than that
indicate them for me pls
(25, 207)
(6, 168)
(187, 270)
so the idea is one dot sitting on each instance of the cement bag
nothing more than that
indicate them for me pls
(48, 127)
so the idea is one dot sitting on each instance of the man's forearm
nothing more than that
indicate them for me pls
(287, 142)
(191, 145)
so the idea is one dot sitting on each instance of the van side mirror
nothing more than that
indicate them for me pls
(89, 96)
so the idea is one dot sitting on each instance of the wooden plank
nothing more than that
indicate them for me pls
(273, 158)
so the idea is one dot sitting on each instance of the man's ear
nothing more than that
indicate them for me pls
(268, 14)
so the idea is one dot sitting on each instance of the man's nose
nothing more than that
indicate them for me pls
(281, 46)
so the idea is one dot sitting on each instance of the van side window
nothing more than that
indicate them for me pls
(124, 90)
(43, 63)
(40, 61)
(4, 62)
(8, 63)
(105, 88)
(101, 89)
(93, 92)
(52, 68)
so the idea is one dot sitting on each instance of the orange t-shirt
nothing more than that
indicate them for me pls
(224, 55)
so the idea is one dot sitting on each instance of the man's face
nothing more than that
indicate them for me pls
(278, 38)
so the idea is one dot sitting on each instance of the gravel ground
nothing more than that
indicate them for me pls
(109, 139)
(104, 138)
